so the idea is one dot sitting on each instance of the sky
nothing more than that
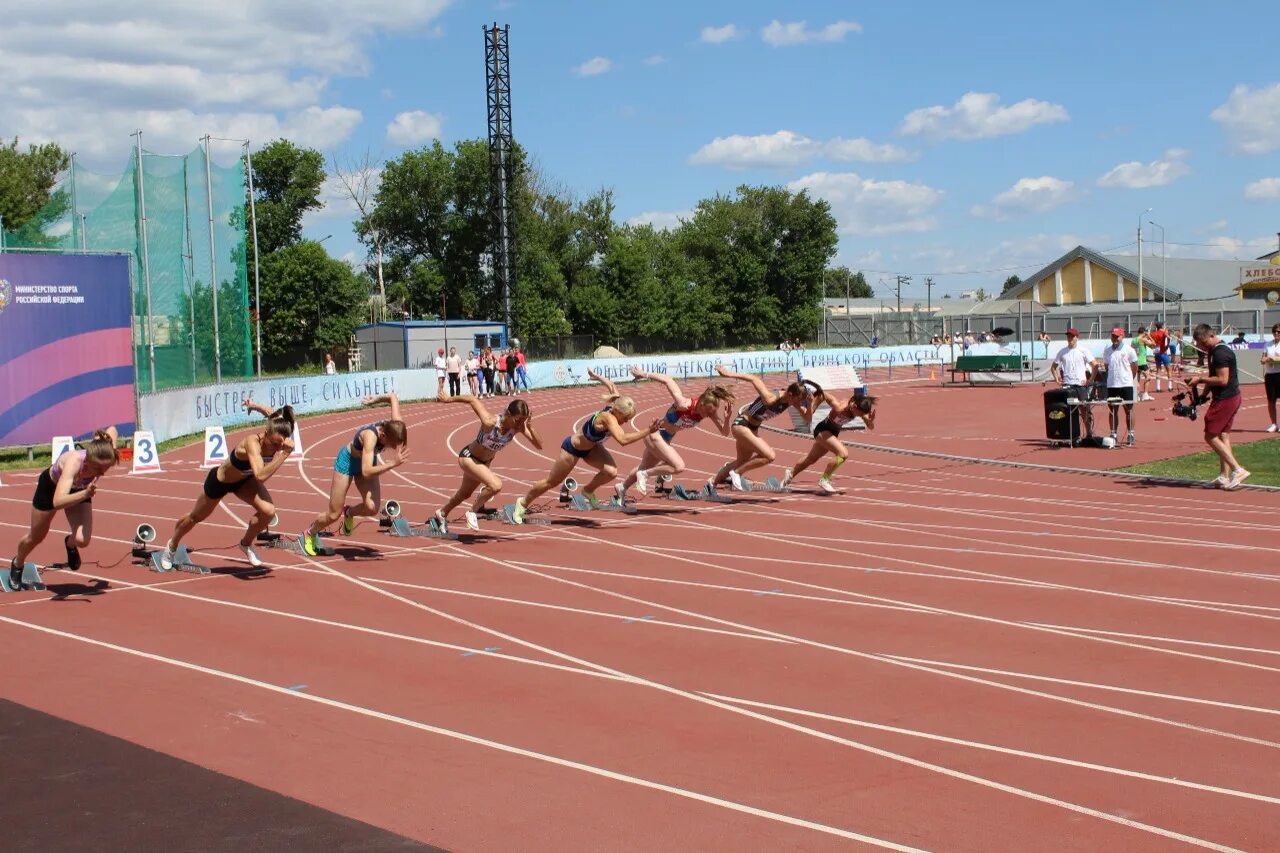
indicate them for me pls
(966, 143)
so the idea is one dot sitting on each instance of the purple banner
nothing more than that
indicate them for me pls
(66, 356)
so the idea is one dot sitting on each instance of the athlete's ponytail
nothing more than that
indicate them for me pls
(281, 422)
(518, 409)
(864, 404)
(395, 433)
(624, 407)
(715, 394)
(102, 448)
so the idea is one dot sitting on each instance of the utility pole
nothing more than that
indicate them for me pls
(928, 284)
(902, 279)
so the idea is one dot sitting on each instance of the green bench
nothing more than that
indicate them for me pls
(969, 364)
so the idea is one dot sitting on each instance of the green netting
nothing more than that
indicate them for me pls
(97, 213)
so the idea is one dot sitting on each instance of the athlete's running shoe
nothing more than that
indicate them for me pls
(310, 542)
(736, 479)
(592, 499)
(473, 520)
(73, 554)
(825, 485)
(442, 523)
(786, 478)
(251, 555)
(642, 482)
(348, 521)
(1238, 476)
(518, 514)
(166, 557)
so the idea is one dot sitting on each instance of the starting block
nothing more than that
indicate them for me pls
(509, 516)
(31, 579)
(772, 484)
(706, 493)
(580, 503)
(181, 562)
(400, 527)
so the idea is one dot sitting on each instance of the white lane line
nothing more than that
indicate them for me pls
(1173, 697)
(1004, 750)
(485, 742)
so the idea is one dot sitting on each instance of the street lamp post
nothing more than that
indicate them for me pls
(1164, 273)
(1140, 215)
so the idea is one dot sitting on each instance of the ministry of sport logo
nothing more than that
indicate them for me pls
(6, 294)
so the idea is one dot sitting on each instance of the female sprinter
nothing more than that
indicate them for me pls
(68, 484)
(753, 451)
(358, 461)
(474, 459)
(660, 457)
(588, 443)
(244, 474)
(826, 436)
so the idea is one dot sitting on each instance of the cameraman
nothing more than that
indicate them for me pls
(1224, 386)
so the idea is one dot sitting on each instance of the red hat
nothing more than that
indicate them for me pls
(1073, 332)
(1118, 332)
(440, 351)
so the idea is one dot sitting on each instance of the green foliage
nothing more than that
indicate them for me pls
(27, 179)
(286, 182)
(310, 302)
(1012, 281)
(841, 281)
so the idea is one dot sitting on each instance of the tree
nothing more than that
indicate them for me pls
(286, 182)
(27, 179)
(1011, 281)
(310, 301)
(840, 281)
(981, 295)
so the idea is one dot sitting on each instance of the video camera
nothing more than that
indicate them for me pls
(1188, 409)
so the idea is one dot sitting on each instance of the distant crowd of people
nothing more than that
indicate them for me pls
(488, 373)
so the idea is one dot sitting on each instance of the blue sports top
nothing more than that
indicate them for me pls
(589, 427)
(358, 447)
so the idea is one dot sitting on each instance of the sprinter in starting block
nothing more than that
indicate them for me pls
(27, 579)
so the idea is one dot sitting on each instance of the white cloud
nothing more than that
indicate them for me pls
(786, 148)
(594, 66)
(779, 34)
(865, 151)
(1252, 118)
(656, 59)
(977, 115)
(1135, 175)
(774, 150)
(1033, 195)
(661, 220)
(720, 35)
(868, 207)
(414, 128)
(1265, 189)
(87, 74)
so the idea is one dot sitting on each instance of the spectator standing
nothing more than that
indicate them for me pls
(329, 367)
(486, 368)
(1271, 361)
(1072, 367)
(522, 375)
(441, 364)
(473, 373)
(1224, 386)
(1160, 341)
(1142, 345)
(453, 366)
(510, 362)
(1120, 360)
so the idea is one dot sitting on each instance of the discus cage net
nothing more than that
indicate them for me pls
(184, 222)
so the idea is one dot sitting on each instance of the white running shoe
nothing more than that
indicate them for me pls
(642, 482)
(251, 555)
(442, 523)
(1147, 398)
(826, 486)
(736, 479)
(166, 557)
(1273, 428)
(1238, 476)
(786, 478)
(473, 521)
(620, 489)
(1218, 482)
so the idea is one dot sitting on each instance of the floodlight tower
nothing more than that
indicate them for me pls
(497, 72)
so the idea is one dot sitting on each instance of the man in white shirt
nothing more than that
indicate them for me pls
(1271, 360)
(1073, 367)
(1120, 361)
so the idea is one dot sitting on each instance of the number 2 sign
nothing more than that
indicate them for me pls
(215, 447)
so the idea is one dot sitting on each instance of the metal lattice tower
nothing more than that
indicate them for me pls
(497, 72)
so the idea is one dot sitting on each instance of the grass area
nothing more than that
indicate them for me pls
(1262, 458)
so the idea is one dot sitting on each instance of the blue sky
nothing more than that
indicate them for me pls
(966, 142)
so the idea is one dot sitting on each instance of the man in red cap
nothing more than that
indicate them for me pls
(1073, 367)
(1119, 360)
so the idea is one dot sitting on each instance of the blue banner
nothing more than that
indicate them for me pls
(66, 356)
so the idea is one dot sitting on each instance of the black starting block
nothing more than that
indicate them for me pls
(508, 516)
(181, 562)
(31, 579)
(400, 527)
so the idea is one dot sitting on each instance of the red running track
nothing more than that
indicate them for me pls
(945, 656)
